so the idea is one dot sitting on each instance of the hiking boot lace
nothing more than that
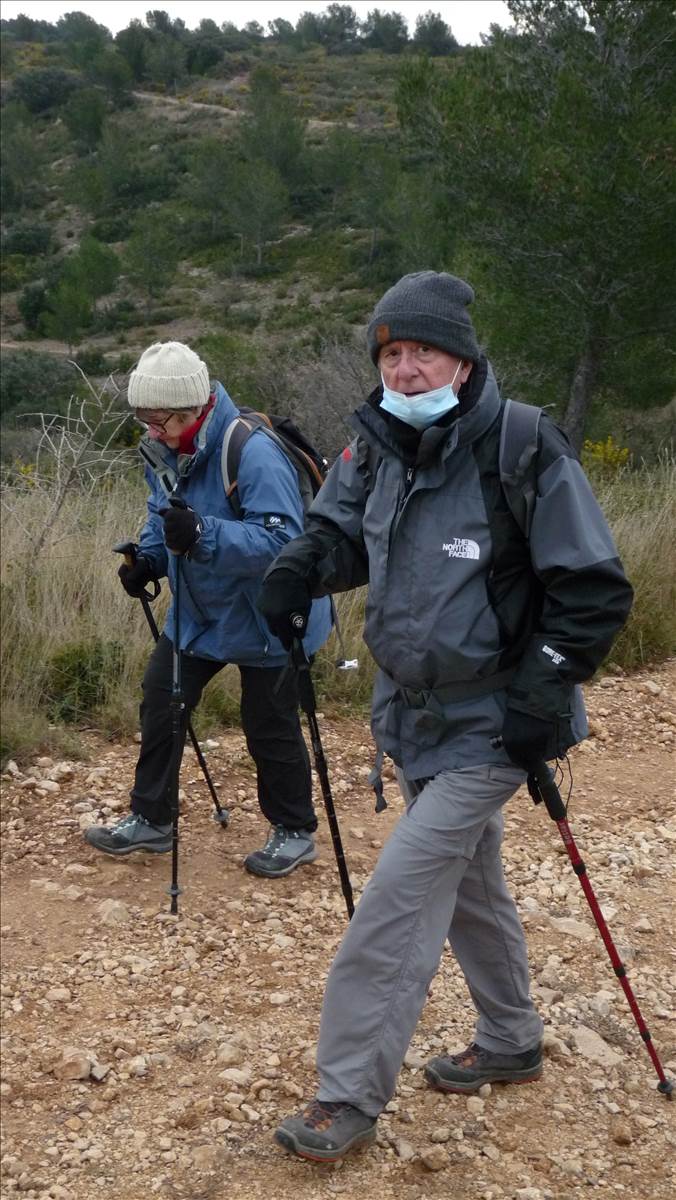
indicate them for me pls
(468, 1058)
(130, 819)
(275, 841)
(320, 1113)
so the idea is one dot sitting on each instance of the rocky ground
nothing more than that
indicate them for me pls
(148, 1056)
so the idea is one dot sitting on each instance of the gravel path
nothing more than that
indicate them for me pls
(145, 1056)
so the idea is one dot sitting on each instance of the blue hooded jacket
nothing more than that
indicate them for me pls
(221, 579)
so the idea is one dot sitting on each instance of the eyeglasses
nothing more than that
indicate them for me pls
(144, 417)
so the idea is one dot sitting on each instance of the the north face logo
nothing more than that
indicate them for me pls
(554, 655)
(461, 548)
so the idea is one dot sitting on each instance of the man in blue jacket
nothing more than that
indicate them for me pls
(222, 560)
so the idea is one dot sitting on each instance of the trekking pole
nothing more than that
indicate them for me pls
(129, 550)
(176, 708)
(542, 787)
(306, 698)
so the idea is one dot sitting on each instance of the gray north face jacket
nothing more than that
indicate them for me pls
(462, 611)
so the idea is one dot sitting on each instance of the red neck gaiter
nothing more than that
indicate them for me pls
(186, 443)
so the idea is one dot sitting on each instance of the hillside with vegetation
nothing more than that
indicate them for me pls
(252, 192)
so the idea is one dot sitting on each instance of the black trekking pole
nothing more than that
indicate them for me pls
(177, 706)
(542, 787)
(306, 698)
(129, 550)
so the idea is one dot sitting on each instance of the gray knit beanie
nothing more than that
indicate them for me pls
(169, 375)
(427, 306)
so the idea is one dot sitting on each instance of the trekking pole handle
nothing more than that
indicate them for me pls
(546, 787)
(298, 622)
(129, 551)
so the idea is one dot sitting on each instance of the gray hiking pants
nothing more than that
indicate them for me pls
(440, 875)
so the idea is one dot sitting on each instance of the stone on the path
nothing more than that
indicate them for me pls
(238, 1075)
(403, 1149)
(573, 928)
(75, 1063)
(621, 1132)
(113, 912)
(643, 925)
(58, 995)
(229, 1054)
(591, 1046)
(553, 1046)
(435, 1158)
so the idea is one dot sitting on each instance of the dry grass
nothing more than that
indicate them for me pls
(70, 598)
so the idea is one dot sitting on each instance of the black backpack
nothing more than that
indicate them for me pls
(310, 465)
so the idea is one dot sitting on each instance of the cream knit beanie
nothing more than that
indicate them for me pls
(169, 375)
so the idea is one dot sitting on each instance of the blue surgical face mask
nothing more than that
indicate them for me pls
(422, 410)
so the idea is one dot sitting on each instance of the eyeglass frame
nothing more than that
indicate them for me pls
(162, 425)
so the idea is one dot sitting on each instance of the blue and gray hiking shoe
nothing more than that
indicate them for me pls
(469, 1070)
(325, 1131)
(284, 850)
(133, 832)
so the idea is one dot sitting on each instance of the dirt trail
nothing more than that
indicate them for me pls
(202, 1030)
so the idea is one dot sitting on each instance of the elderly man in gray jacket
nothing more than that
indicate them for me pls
(478, 630)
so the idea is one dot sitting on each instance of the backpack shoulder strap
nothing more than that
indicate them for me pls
(236, 436)
(368, 461)
(518, 446)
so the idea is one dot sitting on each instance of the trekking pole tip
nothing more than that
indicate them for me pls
(222, 817)
(666, 1087)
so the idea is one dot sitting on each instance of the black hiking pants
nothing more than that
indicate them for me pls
(270, 723)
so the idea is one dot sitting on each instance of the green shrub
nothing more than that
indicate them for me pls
(17, 269)
(44, 88)
(112, 229)
(243, 316)
(79, 676)
(31, 304)
(123, 314)
(92, 361)
(27, 375)
(27, 238)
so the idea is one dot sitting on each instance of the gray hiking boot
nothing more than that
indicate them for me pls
(325, 1131)
(469, 1070)
(284, 850)
(133, 832)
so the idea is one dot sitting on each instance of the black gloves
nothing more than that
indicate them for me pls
(285, 602)
(527, 739)
(135, 579)
(182, 529)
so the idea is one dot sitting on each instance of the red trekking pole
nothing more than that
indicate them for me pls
(542, 787)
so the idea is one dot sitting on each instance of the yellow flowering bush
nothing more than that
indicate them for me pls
(606, 458)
